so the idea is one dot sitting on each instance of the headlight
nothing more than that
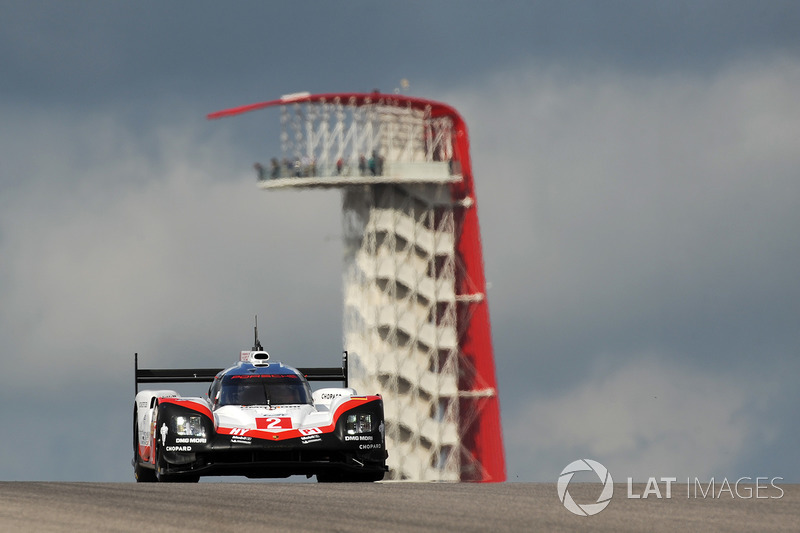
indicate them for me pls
(360, 423)
(191, 426)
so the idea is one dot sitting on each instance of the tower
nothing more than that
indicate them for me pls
(416, 319)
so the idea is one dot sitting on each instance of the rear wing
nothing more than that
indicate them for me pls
(207, 375)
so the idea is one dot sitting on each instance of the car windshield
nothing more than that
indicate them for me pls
(264, 390)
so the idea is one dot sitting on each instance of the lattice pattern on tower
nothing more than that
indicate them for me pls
(400, 321)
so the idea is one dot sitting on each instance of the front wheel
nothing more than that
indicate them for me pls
(143, 474)
(140, 472)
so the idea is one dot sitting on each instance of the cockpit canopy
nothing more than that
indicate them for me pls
(260, 389)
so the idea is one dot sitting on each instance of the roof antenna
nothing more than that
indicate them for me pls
(257, 346)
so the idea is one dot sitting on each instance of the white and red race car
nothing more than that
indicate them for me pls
(260, 419)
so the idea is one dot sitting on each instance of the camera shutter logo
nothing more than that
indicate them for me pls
(587, 509)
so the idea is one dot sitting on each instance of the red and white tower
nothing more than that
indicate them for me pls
(416, 320)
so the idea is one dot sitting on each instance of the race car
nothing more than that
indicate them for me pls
(260, 419)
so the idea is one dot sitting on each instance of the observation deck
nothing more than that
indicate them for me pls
(311, 176)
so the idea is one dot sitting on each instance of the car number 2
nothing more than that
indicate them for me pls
(274, 423)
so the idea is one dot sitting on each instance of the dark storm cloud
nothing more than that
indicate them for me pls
(100, 52)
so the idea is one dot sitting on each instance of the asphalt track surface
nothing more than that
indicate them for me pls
(269, 506)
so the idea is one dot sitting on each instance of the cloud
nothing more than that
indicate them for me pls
(650, 417)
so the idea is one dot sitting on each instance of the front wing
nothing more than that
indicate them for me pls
(326, 451)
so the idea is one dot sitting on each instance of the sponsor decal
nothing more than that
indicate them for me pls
(310, 431)
(271, 408)
(241, 440)
(238, 431)
(331, 395)
(308, 439)
(178, 448)
(370, 446)
(359, 437)
(190, 440)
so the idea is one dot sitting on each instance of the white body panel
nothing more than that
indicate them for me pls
(274, 417)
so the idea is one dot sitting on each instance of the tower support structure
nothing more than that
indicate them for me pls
(416, 318)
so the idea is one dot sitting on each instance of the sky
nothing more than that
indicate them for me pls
(636, 167)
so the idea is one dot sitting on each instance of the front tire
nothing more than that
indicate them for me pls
(143, 474)
(140, 472)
